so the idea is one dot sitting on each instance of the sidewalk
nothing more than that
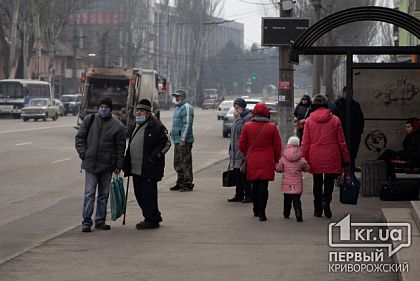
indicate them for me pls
(202, 237)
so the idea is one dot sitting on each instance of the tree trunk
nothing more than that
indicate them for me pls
(12, 62)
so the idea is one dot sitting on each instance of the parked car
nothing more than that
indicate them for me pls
(223, 108)
(210, 104)
(71, 103)
(60, 105)
(40, 108)
(272, 106)
(228, 119)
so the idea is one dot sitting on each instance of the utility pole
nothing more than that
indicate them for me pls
(316, 59)
(286, 83)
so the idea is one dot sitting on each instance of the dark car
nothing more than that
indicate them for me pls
(71, 103)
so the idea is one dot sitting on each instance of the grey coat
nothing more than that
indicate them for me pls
(235, 155)
(101, 147)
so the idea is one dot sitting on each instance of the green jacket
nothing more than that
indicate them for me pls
(182, 125)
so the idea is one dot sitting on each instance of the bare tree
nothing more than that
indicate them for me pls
(10, 11)
(193, 16)
(36, 7)
(358, 33)
(58, 13)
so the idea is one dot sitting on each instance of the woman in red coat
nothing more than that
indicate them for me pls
(262, 156)
(324, 147)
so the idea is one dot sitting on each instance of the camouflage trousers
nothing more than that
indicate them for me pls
(183, 164)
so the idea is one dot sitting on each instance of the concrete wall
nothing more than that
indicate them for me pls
(391, 96)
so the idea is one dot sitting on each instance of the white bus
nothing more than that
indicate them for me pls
(16, 93)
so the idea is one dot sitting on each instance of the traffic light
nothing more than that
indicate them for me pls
(253, 76)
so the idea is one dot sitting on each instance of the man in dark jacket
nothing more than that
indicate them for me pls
(145, 161)
(357, 124)
(301, 113)
(100, 143)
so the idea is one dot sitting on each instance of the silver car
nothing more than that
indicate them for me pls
(223, 108)
(60, 105)
(39, 108)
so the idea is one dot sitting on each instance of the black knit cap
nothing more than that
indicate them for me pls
(145, 105)
(107, 101)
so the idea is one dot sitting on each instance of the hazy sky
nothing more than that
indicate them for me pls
(248, 14)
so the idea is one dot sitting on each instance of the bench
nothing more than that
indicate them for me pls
(403, 166)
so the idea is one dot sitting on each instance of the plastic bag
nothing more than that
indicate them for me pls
(117, 198)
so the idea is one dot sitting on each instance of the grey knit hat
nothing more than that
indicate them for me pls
(145, 105)
(319, 99)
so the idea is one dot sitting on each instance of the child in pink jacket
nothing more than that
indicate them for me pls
(291, 164)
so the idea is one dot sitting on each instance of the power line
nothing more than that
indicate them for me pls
(254, 3)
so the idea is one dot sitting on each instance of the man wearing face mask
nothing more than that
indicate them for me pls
(182, 137)
(145, 161)
(100, 143)
(243, 187)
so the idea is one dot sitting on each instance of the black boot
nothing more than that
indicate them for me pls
(176, 187)
(317, 209)
(235, 199)
(298, 212)
(327, 209)
(286, 212)
(255, 212)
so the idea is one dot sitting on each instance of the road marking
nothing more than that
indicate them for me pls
(23, 143)
(35, 129)
(62, 160)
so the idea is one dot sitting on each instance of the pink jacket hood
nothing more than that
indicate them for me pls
(292, 153)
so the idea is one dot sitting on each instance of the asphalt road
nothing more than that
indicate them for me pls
(41, 183)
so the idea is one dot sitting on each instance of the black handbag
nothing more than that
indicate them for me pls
(400, 189)
(228, 178)
(349, 189)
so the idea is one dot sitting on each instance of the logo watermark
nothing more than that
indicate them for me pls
(368, 241)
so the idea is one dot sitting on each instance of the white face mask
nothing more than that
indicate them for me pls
(175, 101)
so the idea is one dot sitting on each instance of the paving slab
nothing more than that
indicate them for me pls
(202, 237)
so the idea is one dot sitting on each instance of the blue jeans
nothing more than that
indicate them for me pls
(103, 181)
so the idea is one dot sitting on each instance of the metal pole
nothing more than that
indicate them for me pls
(349, 99)
(285, 88)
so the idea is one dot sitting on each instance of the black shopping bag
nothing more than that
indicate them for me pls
(349, 189)
(228, 178)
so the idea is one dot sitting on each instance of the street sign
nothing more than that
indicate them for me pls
(284, 85)
(279, 31)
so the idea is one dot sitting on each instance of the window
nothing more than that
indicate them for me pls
(10, 90)
(417, 7)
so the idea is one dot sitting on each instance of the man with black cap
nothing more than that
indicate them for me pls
(145, 161)
(182, 136)
(100, 143)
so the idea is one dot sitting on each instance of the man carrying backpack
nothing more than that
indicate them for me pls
(100, 143)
